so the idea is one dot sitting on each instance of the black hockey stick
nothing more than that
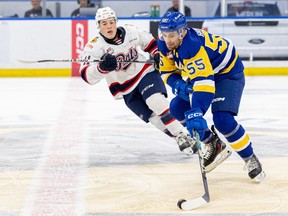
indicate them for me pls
(188, 205)
(79, 61)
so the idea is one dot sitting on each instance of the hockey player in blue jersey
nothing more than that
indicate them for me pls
(215, 77)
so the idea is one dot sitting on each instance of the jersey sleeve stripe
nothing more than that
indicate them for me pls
(204, 86)
(226, 58)
(151, 46)
(231, 65)
(204, 82)
(83, 74)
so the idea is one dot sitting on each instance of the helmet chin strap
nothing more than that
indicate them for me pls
(181, 33)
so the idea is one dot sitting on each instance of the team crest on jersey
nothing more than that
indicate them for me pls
(94, 40)
(132, 55)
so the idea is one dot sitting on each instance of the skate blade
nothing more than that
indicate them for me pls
(259, 178)
(221, 157)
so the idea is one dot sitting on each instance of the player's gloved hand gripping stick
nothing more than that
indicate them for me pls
(195, 121)
(108, 63)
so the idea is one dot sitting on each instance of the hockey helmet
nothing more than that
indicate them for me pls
(172, 21)
(104, 13)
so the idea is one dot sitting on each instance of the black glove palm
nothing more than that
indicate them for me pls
(156, 59)
(108, 63)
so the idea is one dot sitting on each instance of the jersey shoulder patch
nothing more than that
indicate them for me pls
(94, 40)
(199, 32)
(93, 43)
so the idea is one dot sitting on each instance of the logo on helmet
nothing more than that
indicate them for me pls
(165, 20)
(105, 13)
(172, 21)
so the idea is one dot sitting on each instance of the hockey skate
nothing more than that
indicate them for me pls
(254, 168)
(215, 154)
(186, 143)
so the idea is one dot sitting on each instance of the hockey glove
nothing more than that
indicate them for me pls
(195, 121)
(182, 89)
(108, 63)
(156, 59)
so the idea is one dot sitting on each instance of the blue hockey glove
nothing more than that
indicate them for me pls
(194, 120)
(108, 63)
(156, 59)
(182, 89)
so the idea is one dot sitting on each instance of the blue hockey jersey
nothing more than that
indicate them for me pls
(202, 57)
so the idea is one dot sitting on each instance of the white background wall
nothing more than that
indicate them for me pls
(35, 39)
(42, 39)
(51, 39)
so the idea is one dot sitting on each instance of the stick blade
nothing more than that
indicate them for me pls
(35, 61)
(26, 61)
(192, 204)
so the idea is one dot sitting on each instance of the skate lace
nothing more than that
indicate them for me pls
(185, 141)
(181, 139)
(251, 164)
(209, 151)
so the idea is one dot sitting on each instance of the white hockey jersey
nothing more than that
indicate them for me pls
(127, 75)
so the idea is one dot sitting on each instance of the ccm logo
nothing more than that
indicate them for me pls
(194, 115)
(80, 42)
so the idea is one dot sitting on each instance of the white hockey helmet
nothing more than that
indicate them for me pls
(104, 13)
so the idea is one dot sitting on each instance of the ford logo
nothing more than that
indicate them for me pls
(256, 41)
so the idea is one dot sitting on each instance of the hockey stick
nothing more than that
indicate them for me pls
(195, 203)
(78, 60)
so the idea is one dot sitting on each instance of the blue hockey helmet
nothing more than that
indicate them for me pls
(172, 21)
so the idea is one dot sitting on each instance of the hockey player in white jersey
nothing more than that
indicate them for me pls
(139, 84)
